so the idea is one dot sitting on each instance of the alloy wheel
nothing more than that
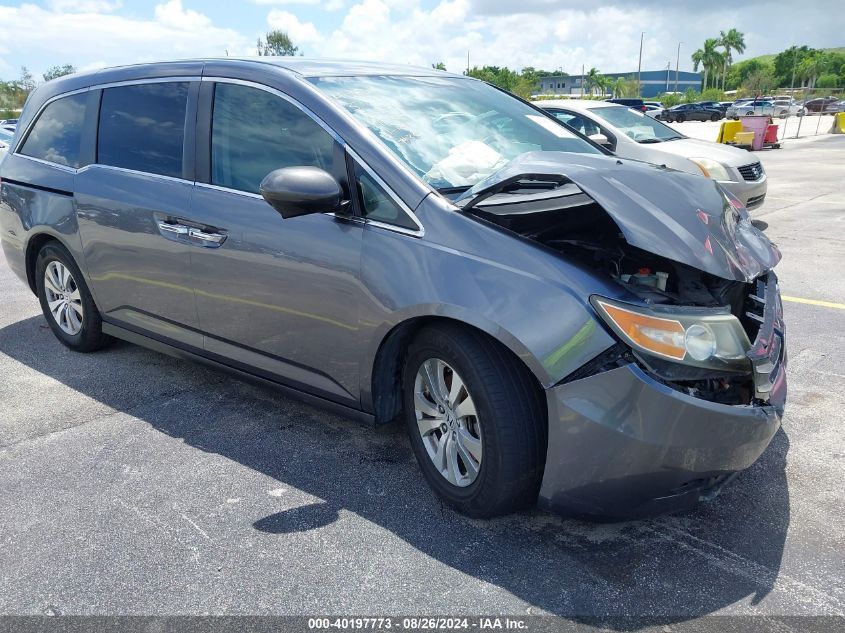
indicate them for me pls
(448, 422)
(63, 297)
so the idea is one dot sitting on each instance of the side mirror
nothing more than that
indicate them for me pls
(295, 191)
(601, 139)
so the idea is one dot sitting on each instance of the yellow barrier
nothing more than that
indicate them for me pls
(744, 138)
(838, 126)
(728, 131)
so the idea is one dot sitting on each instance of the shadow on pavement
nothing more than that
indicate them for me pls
(670, 569)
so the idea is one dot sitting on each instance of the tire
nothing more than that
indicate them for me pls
(680, 118)
(509, 422)
(715, 117)
(80, 333)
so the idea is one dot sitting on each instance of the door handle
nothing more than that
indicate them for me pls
(172, 229)
(212, 239)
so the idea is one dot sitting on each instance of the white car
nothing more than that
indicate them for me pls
(5, 139)
(653, 111)
(787, 107)
(631, 134)
(751, 108)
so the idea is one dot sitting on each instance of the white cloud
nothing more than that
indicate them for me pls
(280, 2)
(83, 38)
(299, 32)
(84, 6)
(334, 5)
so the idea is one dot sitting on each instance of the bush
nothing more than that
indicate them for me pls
(712, 94)
(828, 80)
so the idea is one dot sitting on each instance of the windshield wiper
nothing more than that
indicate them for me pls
(650, 140)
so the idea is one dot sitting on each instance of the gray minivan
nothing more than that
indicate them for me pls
(402, 244)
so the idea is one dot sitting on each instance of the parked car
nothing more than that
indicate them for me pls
(691, 112)
(396, 243)
(656, 104)
(833, 108)
(8, 128)
(632, 135)
(5, 139)
(788, 107)
(8, 122)
(751, 108)
(654, 111)
(820, 104)
(636, 104)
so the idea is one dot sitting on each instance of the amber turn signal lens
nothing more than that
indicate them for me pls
(660, 336)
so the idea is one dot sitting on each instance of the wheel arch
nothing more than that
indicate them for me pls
(385, 379)
(33, 247)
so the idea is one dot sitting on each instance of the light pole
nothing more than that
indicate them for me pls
(677, 66)
(640, 67)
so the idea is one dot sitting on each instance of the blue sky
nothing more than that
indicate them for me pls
(547, 34)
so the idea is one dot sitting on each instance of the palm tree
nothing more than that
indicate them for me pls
(707, 57)
(592, 79)
(733, 40)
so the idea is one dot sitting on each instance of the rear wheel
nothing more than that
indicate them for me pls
(66, 301)
(715, 117)
(680, 118)
(475, 420)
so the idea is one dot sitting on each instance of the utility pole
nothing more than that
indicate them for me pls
(640, 67)
(668, 67)
(677, 66)
(467, 62)
(582, 81)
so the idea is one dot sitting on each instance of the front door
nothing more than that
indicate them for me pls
(279, 297)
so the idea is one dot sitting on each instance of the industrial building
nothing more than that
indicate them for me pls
(653, 82)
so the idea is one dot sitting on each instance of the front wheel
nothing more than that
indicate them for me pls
(715, 117)
(66, 301)
(680, 118)
(476, 421)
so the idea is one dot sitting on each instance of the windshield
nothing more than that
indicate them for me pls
(452, 132)
(641, 128)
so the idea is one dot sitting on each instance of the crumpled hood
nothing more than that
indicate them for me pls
(685, 218)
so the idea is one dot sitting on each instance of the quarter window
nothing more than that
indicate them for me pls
(378, 205)
(142, 127)
(57, 133)
(254, 132)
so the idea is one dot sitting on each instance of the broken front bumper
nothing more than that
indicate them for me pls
(623, 444)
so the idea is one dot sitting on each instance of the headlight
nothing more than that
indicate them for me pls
(712, 168)
(710, 338)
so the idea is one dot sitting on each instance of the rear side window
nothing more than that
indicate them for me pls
(254, 132)
(57, 133)
(142, 127)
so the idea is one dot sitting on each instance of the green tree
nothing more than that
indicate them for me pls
(708, 58)
(759, 82)
(828, 80)
(439, 66)
(624, 87)
(277, 43)
(26, 82)
(54, 72)
(594, 81)
(731, 41)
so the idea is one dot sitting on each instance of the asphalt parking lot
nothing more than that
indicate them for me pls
(133, 483)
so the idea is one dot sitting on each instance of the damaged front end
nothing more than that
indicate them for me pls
(698, 308)
(694, 389)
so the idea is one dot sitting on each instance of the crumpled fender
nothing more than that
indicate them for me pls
(686, 218)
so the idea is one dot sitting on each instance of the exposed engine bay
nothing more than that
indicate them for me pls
(572, 223)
